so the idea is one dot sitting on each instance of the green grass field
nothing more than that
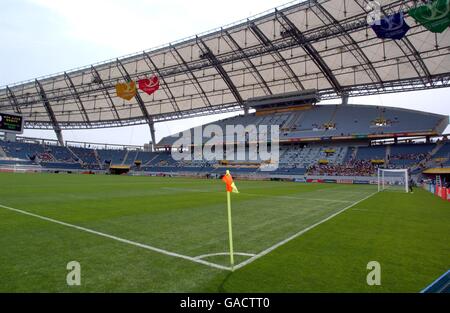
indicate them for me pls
(170, 235)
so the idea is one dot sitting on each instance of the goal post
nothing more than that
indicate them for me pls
(393, 179)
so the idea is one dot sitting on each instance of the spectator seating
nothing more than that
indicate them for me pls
(338, 121)
(336, 159)
(371, 153)
(408, 155)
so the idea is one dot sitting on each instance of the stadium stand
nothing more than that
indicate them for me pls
(116, 157)
(325, 121)
(312, 159)
(444, 152)
(442, 157)
(408, 155)
(371, 153)
(22, 150)
(87, 156)
(318, 140)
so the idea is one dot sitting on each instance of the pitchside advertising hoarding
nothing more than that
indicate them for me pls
(11, 123)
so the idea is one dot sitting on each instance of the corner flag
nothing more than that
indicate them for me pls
(228, 179)
(231, 187)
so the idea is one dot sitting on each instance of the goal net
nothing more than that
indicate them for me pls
(395, 180)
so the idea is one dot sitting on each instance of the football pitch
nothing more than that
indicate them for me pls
(157, 234)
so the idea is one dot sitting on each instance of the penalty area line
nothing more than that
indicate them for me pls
(279, 244)
(130, 242)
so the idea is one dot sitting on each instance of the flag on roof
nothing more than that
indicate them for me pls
(228, 180)
(149, 85)
(126, 91)
(391, 27)
(434, 16)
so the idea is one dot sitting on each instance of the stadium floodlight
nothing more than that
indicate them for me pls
(393, 179)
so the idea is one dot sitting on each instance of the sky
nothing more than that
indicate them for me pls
(42, 37)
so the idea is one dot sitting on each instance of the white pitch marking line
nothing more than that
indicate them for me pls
(270, 249)
(137, 244)
(222, 253)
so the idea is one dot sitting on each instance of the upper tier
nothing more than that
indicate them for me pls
(322, 122)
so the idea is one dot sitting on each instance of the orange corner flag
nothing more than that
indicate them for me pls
(228, 180)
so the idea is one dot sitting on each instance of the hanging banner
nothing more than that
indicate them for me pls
(126, 91)
(434, 16)
(149, 86)
(391, 27)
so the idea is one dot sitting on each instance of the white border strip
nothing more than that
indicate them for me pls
(268, 250)
(137, 244)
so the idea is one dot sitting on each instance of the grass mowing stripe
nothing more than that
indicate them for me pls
(268, 250)
(300, 198)
(137, 244)
(407, 234)
(257, 195)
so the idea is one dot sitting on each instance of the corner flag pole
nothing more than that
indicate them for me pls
(230, 230)
(231, 187)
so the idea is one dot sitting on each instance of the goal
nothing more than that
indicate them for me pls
(395, 180)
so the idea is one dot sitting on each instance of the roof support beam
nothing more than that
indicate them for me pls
(77, 98)
(167, 90)
(197, 85)
(50, 112)
(147, 116)
(347, 41)
(276, 55)
(13, 100)
(248, 61)
(207, 54)
(414, 84)
(344, 98)
(293, 31)
(105, 92)
(414, 58)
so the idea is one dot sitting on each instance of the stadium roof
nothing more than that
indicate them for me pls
(321, 44)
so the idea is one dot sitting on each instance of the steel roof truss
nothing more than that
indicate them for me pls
(276, 55)
(309, 49)
(347, 41)
(176, 54)
(248, 62)
(207, 53)
(77, 98)
(105, 92)
(167, 90)
(13, 100)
